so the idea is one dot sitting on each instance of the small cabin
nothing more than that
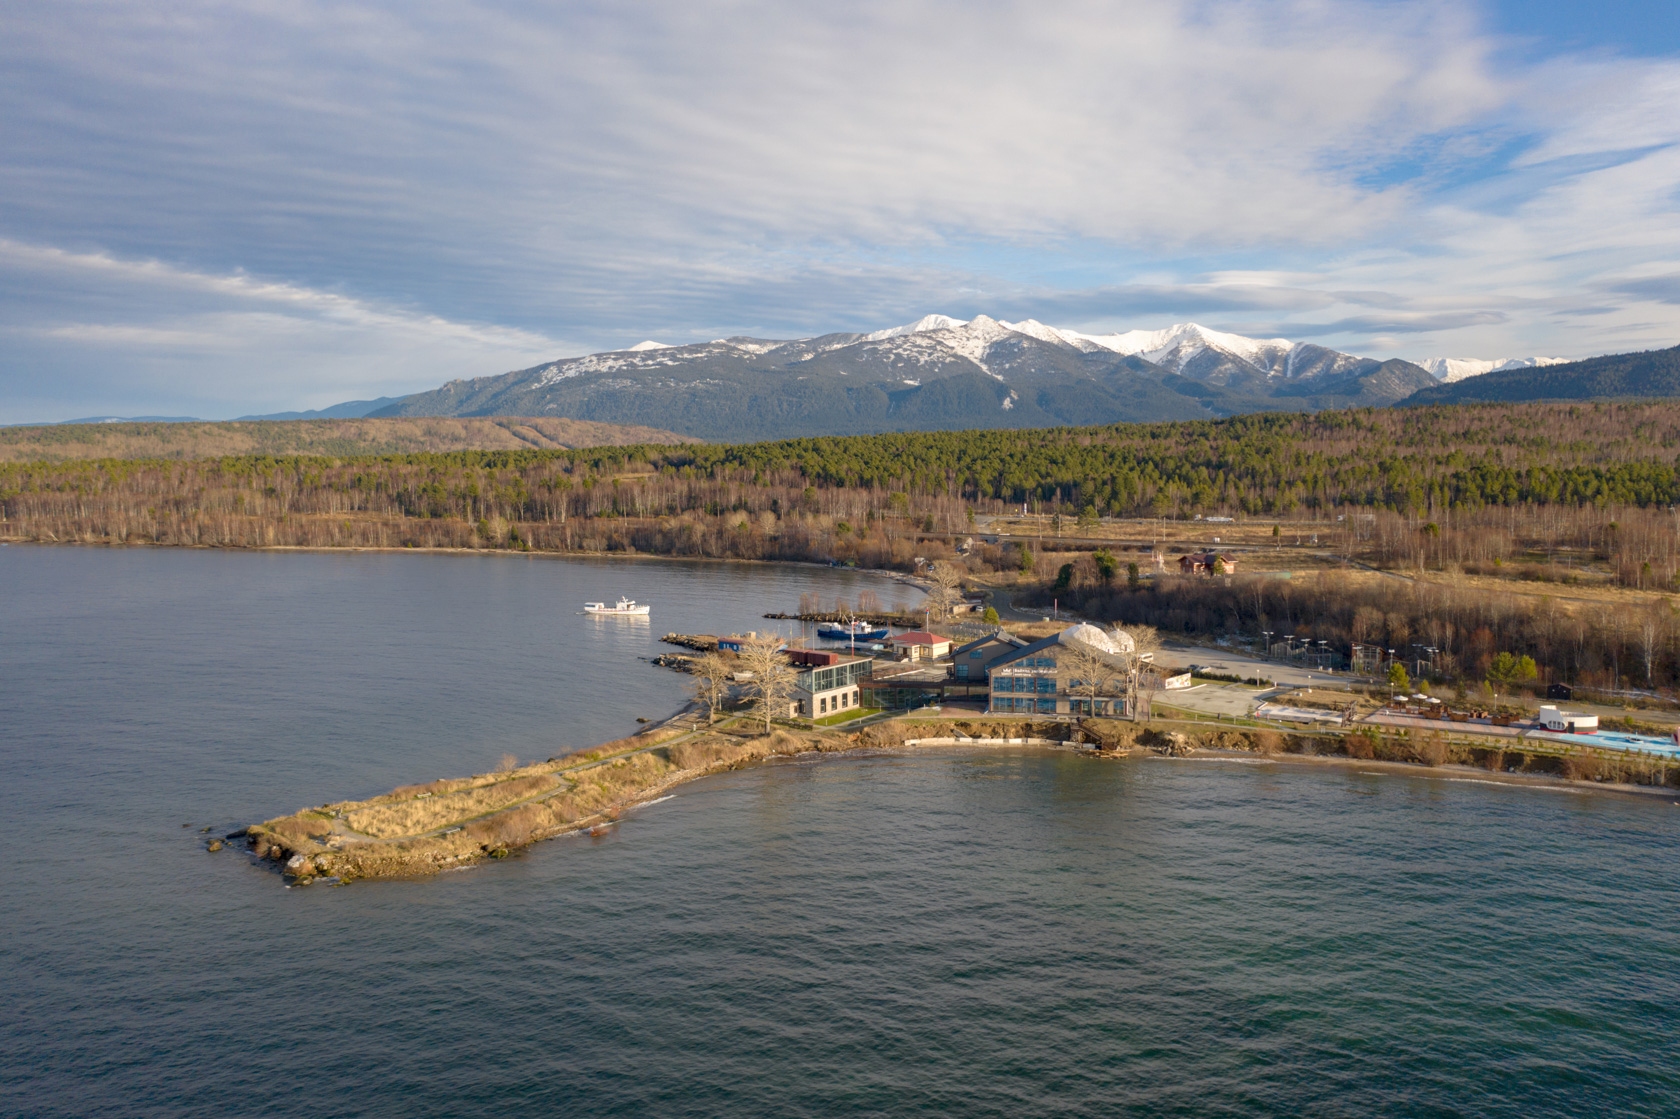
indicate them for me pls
(918, 645)
(1560, 691)
(737, 643)
(1207, 563)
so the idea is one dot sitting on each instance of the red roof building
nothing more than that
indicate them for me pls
(921, 645)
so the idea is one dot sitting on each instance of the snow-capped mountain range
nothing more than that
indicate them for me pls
(1450, 369)
(1173, 347)
(937, 373)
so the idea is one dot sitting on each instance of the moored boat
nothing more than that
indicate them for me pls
(852, 631)
(626, 607)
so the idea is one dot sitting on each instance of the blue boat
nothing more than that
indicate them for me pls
(851, 631)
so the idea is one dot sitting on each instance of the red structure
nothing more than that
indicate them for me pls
(1203, 563)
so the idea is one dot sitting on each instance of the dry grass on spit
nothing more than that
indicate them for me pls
(620, 745)
(305, 831)
(720, 751)
(620, 778)
(413, 816)
(450, 785)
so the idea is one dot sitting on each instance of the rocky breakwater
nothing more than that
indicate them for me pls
(449, 823)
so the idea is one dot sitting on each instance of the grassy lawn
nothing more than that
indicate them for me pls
(845, 716)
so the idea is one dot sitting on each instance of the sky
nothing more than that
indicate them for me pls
(215, 209)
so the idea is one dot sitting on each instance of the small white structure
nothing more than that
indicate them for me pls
(1567, 721)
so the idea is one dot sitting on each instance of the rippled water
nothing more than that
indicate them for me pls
(968, 933)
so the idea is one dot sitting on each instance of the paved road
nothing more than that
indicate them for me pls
(1211, 699)
(1247, 665)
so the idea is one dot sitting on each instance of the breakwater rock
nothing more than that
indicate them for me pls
(906, 621)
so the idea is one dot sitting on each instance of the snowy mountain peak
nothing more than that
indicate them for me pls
(1032, 328)
(985, 328)
(1450, 369)
(1187, 339)
(650, 344)
(920, 326)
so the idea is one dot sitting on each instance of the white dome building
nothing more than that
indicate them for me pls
(1114, 644)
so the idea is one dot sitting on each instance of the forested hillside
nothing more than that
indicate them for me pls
(194, 439)
(1411, 460)
(1655, 373)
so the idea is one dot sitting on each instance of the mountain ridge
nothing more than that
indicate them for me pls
(938, 373)
(1646, 373)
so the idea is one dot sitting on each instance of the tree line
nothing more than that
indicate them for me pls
(1429, 461)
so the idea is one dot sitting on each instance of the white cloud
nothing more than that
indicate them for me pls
(357, 195)
(225, 344)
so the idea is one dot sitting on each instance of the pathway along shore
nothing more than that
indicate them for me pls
(451, 823)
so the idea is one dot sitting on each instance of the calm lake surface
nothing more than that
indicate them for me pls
(952, 933)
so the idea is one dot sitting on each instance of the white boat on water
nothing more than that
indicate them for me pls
(626, 608)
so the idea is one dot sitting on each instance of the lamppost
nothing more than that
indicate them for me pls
(1266, 649)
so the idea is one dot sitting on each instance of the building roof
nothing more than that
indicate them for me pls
(1087, 634)
(1000, 637)
(1084, 634)
(920, 637)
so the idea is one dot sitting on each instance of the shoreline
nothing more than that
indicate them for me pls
(1450, 771)
(512, 553)
(449, 824)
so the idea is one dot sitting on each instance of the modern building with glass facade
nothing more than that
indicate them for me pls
(827, 689)
(1043, 678)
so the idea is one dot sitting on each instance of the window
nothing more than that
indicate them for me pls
(974, 654)
(825, 706)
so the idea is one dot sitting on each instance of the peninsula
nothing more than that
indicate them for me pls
(447, 824)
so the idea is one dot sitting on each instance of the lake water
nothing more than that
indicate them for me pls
(953, 933)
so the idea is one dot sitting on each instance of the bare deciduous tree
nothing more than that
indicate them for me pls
(772, 677)
(1091, 674)
(711, 681)
(1145, 639)
(946, 591)
(1651, 631)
